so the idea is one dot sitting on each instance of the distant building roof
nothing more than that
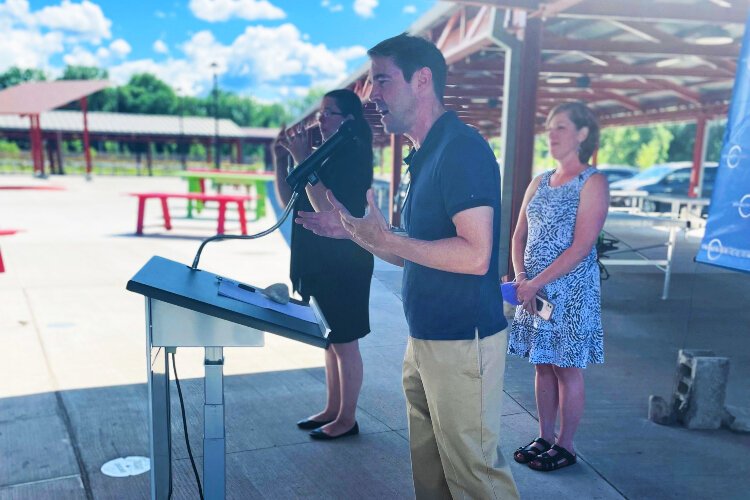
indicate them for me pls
(119, 124)
(32, 98)
(261, 133)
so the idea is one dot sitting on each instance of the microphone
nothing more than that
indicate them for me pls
(307, 170)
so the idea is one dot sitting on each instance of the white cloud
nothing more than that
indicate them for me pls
(16, 11)
(333, 7)
(222, 10)
(275, 61)
(82, 57)
(85, 19)
(365, 8)
(120, 48)
(28, 48)
(179, 73)
(352, 52)
(160, 47)
(409, 9)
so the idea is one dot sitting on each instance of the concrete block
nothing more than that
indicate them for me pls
(660, 412)
(736, 419)
(702, 382)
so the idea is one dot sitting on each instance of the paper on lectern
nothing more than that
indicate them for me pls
(244, 293)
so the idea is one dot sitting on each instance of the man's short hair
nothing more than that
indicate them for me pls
(411, 53)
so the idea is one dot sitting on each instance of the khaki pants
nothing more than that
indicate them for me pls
(454, 391)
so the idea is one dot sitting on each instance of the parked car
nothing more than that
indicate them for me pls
(667, 178)
(615, 173)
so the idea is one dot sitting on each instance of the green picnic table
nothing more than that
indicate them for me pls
(197, 180)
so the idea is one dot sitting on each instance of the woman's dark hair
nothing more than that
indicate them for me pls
(411, 53)
(349, 103)
(581, 116)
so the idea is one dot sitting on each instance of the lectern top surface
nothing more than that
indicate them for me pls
(197, 290)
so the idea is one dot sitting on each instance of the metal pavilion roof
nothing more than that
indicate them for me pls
(33, 98)
(633, 62)
(137, 125)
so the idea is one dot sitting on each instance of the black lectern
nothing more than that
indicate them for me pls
(184, 308)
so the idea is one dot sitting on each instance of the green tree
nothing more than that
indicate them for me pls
(641, 146)
(295, 107)
(15, 75)
(84, 73)
(146, 94)
(104, 100)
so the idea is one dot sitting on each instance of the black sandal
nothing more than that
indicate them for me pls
(526, 454)
(546, 462)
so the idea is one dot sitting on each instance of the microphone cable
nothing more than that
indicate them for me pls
(185, 430)
(218, 237)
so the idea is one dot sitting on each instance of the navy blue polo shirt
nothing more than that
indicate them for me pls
(454, 170)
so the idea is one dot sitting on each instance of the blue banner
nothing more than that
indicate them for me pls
(726, 242)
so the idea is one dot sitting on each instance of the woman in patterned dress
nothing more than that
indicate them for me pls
(554, 256)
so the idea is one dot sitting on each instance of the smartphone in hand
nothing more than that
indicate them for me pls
(544, 308)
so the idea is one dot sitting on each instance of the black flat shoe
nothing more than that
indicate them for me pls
(319, 434)
(308, 424)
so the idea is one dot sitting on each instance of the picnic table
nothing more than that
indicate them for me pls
(676, 203)
(673, 225)
(197, 178)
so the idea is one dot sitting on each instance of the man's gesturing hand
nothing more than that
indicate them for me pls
(326, 223)
(370, 230)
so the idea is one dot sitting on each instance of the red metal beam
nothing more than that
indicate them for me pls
(636, 10)
(529, 79)
(86, 151)
(633, 70)
(558, 44)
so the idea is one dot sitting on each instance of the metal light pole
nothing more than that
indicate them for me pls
(181, 146)
(217, 159)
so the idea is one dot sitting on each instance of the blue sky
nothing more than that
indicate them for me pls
(269, 49)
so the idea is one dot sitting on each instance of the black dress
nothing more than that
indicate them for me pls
(337, 272)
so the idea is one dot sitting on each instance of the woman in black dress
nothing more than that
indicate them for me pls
(336, 272)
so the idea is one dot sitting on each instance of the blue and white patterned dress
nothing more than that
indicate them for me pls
(573, 336)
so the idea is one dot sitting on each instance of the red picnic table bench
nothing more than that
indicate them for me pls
(5, 232)
(221, 199)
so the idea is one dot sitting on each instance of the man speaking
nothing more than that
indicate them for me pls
(455, 357)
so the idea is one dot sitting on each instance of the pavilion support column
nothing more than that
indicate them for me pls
(238, 152)
(51, 157)
(522, 62)
(149, 158)
(86, 148)
(58, 153)
(268, 157)
(37, 151)
(397, 142)
(209, 152)
(595, 157)
(699, 153)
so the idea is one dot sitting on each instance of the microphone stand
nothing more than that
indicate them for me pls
(305, 173)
